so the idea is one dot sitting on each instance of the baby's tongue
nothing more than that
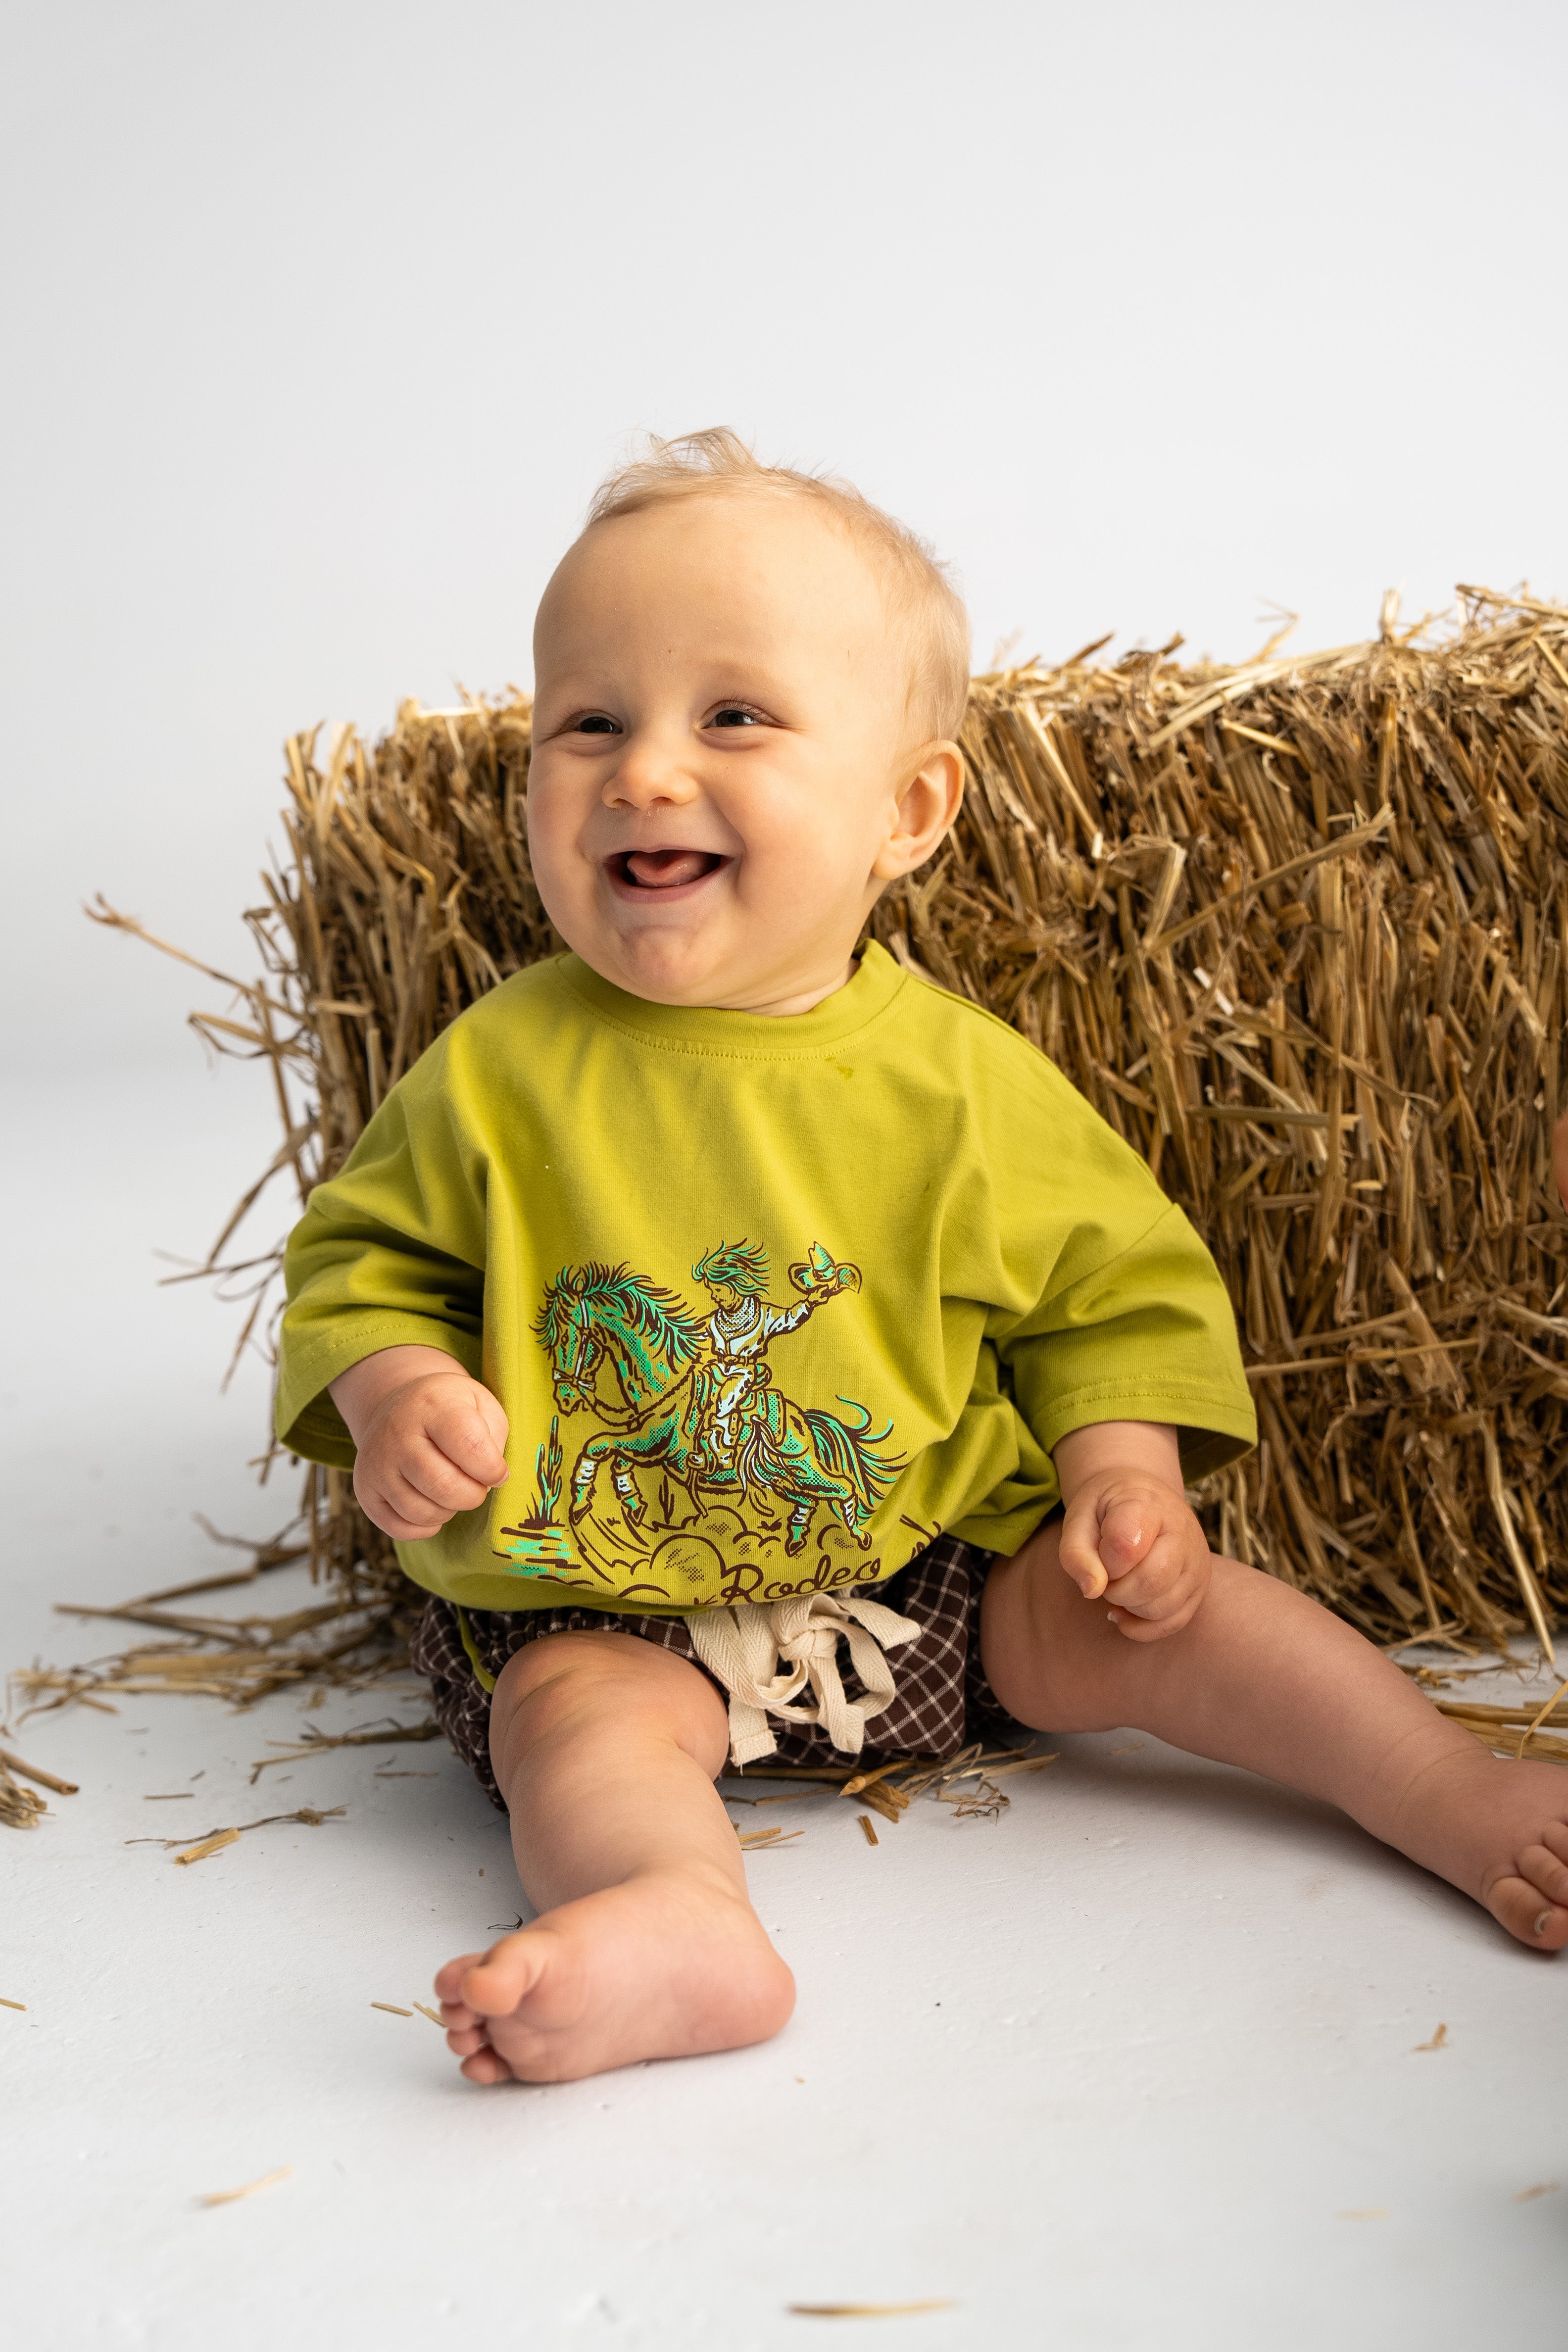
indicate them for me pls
(665, 869)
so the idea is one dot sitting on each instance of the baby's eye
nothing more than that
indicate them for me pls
(595, 722)
(733, 715)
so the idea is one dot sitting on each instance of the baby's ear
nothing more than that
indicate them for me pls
(926, 810)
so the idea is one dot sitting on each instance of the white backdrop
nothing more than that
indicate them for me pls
(323, 316)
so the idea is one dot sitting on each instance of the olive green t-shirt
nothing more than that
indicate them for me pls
(769, 1303)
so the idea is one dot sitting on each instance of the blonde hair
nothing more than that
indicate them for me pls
(919, 588)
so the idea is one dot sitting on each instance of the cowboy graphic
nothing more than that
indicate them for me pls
(735, 1276)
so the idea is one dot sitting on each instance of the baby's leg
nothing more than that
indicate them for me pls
(1264, 1677)
(606, 1748)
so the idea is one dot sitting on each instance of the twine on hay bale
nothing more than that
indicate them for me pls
(1296, 931)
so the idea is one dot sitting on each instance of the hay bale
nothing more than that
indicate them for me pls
(1296, 931)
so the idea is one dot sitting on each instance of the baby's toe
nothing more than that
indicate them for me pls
(1522, 1908)
(1541, 1868)
(504, 1976)
(449, 1979)
(484, 2066)
(464, 2039)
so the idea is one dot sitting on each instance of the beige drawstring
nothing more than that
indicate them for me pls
(764, 1653)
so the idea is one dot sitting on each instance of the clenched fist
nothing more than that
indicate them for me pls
(429, 1439)
(1128, 1535)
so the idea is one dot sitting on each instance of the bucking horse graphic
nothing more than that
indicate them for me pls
(697, 1394)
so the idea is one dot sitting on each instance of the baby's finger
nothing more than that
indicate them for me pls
(401, 1495)
(1165, 1565)
(1129, 1528)
(492, 1413)
(1078, 1553)
(433, 1473)
(1150, 1629)
(1166, 1609)
(461, 1434)
(410, 1519)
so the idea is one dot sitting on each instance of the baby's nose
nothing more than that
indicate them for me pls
(650, 771)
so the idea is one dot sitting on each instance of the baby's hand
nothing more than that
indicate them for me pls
(1131, 1537)
(429, 1439)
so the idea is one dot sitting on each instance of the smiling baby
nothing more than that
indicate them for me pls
(755, 1351)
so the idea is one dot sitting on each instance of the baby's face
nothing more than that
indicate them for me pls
(723, 776)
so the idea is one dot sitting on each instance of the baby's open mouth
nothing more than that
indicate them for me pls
(663, 869)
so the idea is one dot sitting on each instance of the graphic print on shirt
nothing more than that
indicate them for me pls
(703, 1478)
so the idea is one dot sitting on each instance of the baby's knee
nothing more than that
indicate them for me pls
(589, 1685)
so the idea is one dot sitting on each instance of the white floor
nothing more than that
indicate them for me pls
(1134, 2067)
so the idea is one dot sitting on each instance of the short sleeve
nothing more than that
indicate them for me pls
(389, 1253)
(1147, 1333)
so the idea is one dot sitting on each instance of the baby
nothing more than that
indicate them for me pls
(755, 1351)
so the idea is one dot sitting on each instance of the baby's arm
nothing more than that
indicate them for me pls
(1127, 1529)
(428, 1439)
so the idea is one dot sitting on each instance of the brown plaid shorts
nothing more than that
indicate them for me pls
(942, 1700)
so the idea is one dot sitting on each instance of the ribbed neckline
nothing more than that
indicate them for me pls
(754, 1036)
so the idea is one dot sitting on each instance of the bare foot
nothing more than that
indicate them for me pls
(664, 1965)
(1500, 1832)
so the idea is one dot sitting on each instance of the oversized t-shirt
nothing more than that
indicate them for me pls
(769, 1303)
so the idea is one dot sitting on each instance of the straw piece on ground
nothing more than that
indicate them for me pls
(871, 1834)
(1539, 2188)
(985, 1801)
(214, 1844)
(1537, 1719)
(20, 1808)
(868, 2310)
(232, 2196)
(316, 1743)
(881, 1800)
(937, 1775)
(1540, 1746)
(1477, 1711)
(310, 1817)
(859, 1781)
(13, 2004)
(36, 1773)
(1439, 2041)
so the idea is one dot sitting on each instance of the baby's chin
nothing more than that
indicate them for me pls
(669, 967)
(709, 959)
